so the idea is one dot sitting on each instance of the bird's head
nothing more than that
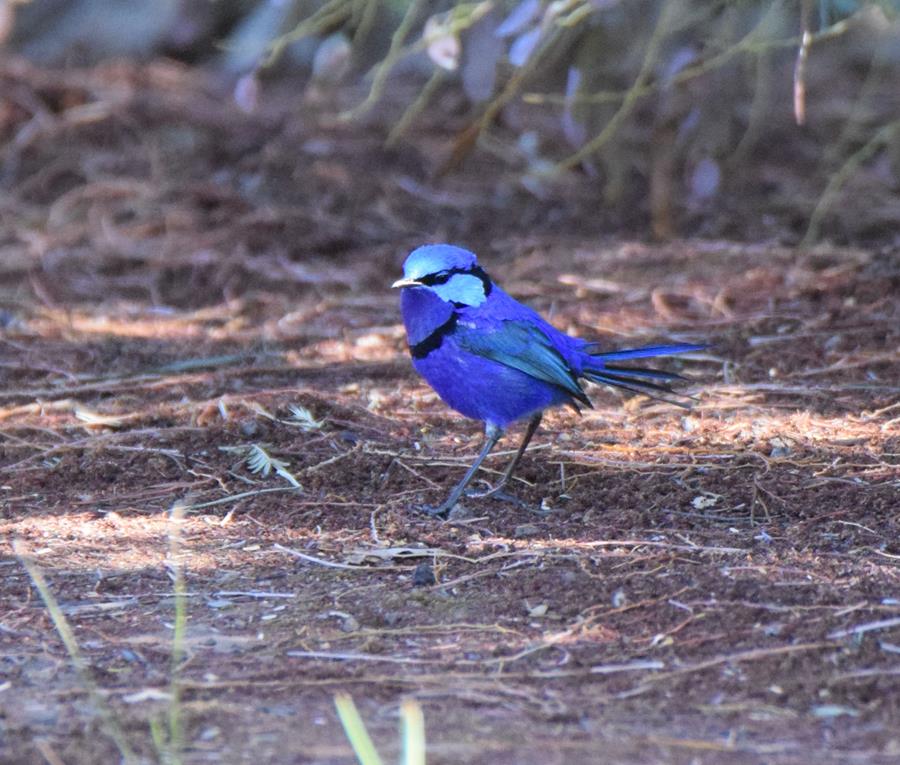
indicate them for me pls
(450, 272)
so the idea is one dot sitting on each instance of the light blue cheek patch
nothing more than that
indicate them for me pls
(462, 288)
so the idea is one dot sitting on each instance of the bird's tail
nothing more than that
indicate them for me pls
(651, 382)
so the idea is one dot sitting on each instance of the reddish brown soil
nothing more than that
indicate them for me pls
(718, 586)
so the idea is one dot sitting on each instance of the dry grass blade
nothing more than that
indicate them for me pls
(663, 28)
(170, 743)
(329, 563)
(861, 629)
(885, 136)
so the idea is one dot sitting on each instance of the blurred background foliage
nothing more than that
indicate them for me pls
(669, 104)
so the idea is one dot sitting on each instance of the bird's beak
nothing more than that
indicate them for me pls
(405, 283)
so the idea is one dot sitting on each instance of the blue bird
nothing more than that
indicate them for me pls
(493, 359)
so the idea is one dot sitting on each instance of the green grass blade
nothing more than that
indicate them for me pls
(355, 730)
(412, 733)
(176, 732)
(64, 630)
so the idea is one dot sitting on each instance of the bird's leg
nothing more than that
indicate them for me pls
(529, 433)
(492, 435)
(533, 425)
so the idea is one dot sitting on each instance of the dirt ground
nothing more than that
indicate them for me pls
(181, 282)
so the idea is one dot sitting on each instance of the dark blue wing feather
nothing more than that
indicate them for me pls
(522, 345)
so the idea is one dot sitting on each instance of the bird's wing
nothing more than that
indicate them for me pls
(523, 346)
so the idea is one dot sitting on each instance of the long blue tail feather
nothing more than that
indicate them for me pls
(653, 374)
(638, 379)
(645, 352)
(611, 379)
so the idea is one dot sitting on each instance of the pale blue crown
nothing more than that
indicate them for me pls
(434, 258)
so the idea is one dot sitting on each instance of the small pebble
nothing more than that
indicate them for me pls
(249, 428)
(349, 437)
(423, 576)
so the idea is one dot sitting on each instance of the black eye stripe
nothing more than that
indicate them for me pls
(432, 279)
(442, 277)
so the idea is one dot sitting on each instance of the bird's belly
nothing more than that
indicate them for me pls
(484, 389)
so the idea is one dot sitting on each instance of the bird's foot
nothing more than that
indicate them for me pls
(449, 510)
(440, 511)
(491, 491)
(446, 510)
(505, 496)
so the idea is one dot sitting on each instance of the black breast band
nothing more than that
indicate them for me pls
(431, 343)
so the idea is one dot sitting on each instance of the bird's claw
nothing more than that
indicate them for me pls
(445, 510)
(497, 492)
(491, 491)
(505, 496)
